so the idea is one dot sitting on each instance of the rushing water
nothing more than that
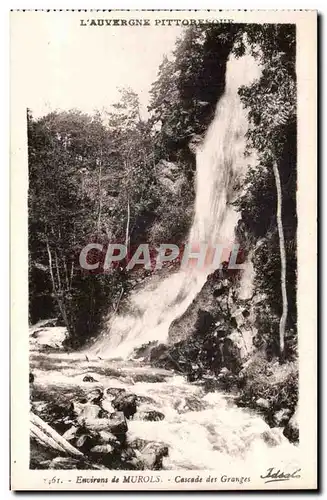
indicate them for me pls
(220, 165)
(202, 430)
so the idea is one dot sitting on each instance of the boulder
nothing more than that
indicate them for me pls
(61, 463)
(89, 378)
(117, 424)
(145, 400)
(40, 407)
(87, 414)
(157, 352)
(144, 350)
(149, 453)
(129, 459)
(292, 430)
(224, 372)
(262, 403)
(95, 396)
(281, 417)
(126, 403)
(151, 378)
(106, 437)
(114, 391)
(150, 415)
(102, 449)
(70, 433)
(85, 442)
(91, 420)
(153, 454)
(196, 139)
(272, 437)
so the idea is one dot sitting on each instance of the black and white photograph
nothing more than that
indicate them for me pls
(164, 201)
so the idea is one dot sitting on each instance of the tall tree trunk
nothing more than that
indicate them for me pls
(57, 291)
(100, 194)
(283, 318)
(127, 226)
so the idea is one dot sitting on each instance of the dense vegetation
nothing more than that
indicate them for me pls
(119, 178)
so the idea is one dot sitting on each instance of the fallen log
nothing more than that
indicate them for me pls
(49, 437)
(44, 439)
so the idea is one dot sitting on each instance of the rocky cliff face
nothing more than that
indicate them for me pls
(215, 332)
(223, 307)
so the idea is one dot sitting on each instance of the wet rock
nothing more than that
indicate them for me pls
(102, 449)
(40, 407)
(144, 350)
(153, 454)
(106, 437)
(218, 292)
(292, 429)
(220, 333)
(190, 404)
(114, 391)
(262, 403)
(272, 437)
(126, 403)
(87, 413)
(77, 408)
(224, 372)
(152, 378)
(89, 378)
(204, 322)
(149, 453)
(196, 140)
(66, 463)
(145, 400)
(85, 442)
(150, 415)
(157, 352)
(70, 433)
(231, 355)
(138, 444)
(95, 396)
(281, 417)
(117, 424)
(129, 459)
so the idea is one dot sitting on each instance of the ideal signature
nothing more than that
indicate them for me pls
(274, 474)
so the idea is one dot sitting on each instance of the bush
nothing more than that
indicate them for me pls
(278, 384)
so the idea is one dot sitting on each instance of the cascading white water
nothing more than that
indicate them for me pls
(220, 165)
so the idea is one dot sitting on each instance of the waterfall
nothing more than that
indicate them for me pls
(220, 165)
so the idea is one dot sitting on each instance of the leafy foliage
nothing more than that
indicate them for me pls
(277, 384)
(271, 103)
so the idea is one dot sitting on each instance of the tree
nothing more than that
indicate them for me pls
(271, 102)
(90, 181)
(68, 153)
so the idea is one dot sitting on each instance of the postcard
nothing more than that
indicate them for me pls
(163, 250)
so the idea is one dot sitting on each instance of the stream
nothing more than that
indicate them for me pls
(203, 430)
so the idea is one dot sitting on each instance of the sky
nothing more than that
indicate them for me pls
(69, 66)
